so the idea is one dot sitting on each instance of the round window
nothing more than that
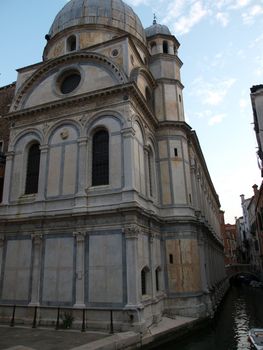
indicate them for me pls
(69, 82)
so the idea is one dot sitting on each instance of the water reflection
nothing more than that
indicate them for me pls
(241, 324)
(242, 309)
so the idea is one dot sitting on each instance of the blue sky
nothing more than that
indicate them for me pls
(222, 50)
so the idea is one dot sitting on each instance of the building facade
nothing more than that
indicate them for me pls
(230, 244)
(107, 200)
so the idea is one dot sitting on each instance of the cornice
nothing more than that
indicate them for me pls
(129, 89)
(170, 81)
(166, 57)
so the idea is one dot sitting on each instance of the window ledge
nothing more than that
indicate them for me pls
(96, 188)
(27, 198)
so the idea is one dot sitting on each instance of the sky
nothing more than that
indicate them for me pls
(222, 51)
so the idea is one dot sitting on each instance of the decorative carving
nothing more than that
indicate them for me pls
(45, 128)
(83, 119)
(64, 134)
(132, 231)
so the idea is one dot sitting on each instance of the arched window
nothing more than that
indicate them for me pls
(100, 158)
(148, 96)
(157, 278)
(144, 280)
(153, 47)
(150, 172)
(32, 173)
(71, 43)
(165, 47)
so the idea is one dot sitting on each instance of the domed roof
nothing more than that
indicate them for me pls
(113, 13)
(157, 28)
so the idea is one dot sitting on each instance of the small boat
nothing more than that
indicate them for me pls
(255, 336)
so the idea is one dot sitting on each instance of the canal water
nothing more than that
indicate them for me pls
(241, 310)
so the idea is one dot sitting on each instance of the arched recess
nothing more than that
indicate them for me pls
(25, 164)
(151, 171)
(158, 282)
(153, 47)
(100, 158)
(52, 67)
(165, 47)
(71, 43)
(139, 159)
(105, 151)
(145, 281)
(62, 161)
(146, 84)
(32, 170)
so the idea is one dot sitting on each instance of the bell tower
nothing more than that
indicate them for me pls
(165, 66)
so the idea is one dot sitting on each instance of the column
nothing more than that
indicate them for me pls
(42, 173)
(80, 269)
(133, 275)
(37, 250)
(8, 176)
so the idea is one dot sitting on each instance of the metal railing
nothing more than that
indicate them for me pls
(58, 325)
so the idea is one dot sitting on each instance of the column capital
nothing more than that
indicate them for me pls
(37, 238)
(10, 155)
(80, 236)
(44, 148)
(82, 141)
(131, 232)
(128, 132)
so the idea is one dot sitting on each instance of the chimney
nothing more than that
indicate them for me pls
(242, 198)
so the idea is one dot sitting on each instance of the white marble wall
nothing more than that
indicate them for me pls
(58, 270)
(17, 269)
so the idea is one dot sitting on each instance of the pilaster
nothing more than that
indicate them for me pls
(131, 235)
(37, 250)
(42, 173)
(8, 175)
(80, 268)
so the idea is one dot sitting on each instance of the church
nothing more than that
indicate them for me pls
(106, 199)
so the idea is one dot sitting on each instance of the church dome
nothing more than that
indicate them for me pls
(112, 13)
(156, 29)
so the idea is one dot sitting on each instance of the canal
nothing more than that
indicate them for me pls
(241, 310)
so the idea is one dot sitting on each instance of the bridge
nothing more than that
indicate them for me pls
(238, 269)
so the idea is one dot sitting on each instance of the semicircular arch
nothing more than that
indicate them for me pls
(73, 58)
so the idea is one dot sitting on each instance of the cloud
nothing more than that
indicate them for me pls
(216, 119)
(251, 13)
(240, 3)
(223, 18)
(211, 93)
(243, 103)
(196, 13)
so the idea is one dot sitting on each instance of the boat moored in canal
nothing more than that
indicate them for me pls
(255, 335)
